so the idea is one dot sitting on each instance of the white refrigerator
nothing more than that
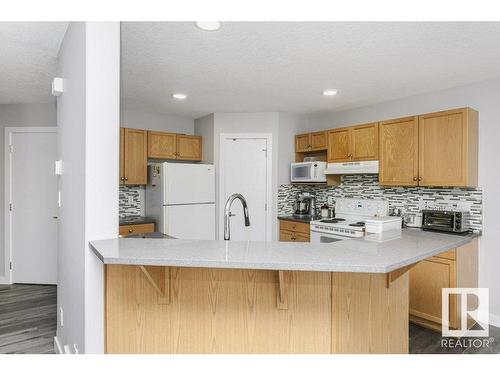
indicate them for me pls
(181, 197)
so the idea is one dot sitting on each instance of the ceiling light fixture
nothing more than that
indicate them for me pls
(208, 26)
(179, 96)
(330, 92)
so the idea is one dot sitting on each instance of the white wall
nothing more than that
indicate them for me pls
(88, 141)
(149, 120)
(19, 115)
(289, 125)
(484, 97)
(71, 149)
(204, 126)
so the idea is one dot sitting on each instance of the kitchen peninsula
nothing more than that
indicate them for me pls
(188, 296)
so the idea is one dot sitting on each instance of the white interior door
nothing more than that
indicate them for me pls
(245, 171)
(33, 219)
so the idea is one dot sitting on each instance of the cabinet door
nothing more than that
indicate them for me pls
(443, 148)
(427, 279)
(135, 157)
(364, 142)
(302, 237)
(303, 143)
(161, 145)
(318, 141)
(286, 236)
(339, 145)
(122, 155)
(188, 147)
(398, 152)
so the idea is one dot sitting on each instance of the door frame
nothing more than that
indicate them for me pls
(269, 175)
(9, 131)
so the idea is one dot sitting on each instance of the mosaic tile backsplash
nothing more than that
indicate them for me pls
(130, 201)
(408, 199)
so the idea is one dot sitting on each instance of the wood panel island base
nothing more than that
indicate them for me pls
(196, 296)
(157, 309)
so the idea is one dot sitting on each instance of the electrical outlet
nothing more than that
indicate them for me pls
(61, 316)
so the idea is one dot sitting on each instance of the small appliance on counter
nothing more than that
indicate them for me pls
(312, 171)
(446, 221)
(381, 224)
(305, 206)
(413, 220)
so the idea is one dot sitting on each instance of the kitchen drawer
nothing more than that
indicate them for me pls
(136, 228)
(290, 236)
(294, 226)
(450, 254)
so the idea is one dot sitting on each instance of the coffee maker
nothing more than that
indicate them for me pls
(305, 206)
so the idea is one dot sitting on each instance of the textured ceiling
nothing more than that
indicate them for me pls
(28, 57)
(284, 66)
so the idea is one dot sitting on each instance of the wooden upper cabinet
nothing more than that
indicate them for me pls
(122, 155)
(303, 143)
(316, 141)
(364, 142)
(173, 146)
(189, 147)
(398, 163)
(339, 145)
(161, 145)
(134, 157)
(448, 148)
(319, 141)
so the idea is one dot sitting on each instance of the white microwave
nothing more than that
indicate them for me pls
(313, 171)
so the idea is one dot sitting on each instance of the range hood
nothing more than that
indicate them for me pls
(353, 167)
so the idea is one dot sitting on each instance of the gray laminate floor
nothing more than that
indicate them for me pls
(28, 318)
(425, 341)
(28, 324)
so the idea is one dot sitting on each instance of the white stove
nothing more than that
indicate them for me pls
(349, 219)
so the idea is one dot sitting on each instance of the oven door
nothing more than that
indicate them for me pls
(319, 237)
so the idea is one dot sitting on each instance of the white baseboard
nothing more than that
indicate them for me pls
(495, 320)
(57, 346)
(4, 280)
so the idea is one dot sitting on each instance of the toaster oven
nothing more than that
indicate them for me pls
(446, 221)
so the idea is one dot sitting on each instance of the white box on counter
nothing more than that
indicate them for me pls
(382, 224)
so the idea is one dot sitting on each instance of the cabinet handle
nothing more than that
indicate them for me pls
(130, 230)
(125, 178)
(420, 178)
(415, 179)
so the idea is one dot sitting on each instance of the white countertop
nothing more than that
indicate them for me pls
(398, 249)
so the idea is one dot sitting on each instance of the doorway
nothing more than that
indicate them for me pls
(31, 205)
(246, 168)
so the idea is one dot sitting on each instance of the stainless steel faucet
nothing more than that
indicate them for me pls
(227, 214)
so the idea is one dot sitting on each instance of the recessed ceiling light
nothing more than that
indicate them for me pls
(208, 26)
(330, 92)
(179, 96)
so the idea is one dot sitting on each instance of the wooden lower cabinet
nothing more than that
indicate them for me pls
(453, 269)
(292, 231)
(136, 228)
